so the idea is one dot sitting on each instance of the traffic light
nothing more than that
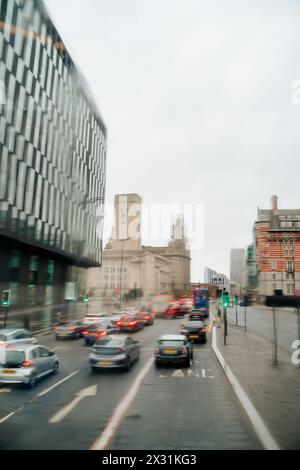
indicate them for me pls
(5, 298)
(225, 299)
(86, 299)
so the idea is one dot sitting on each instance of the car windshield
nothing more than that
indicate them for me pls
(172, 343)
(102, 327)
(12, 358)
(110, 343)
(194, 324)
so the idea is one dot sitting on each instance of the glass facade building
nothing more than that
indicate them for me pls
(52, 153)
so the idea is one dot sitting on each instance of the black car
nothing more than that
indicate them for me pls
(114, 352)
(173, 349)
(95, 332)
(194, 331)
(198, 314)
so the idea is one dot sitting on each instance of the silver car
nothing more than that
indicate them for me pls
(12, 336)
(26, 363)
(114, 351)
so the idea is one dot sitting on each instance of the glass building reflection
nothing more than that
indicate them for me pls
(52, 159)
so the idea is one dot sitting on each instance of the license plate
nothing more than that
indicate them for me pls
(8, 372)
(104, 363)
(170, 351)
(194, 336)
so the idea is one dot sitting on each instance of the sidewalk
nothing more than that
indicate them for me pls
(274, 391)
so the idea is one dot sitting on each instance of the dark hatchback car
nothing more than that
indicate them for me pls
(94, 332)
(111, 352)
(173, 349)
(69, 330)
(194, 331)
(198, 314)
(131, 323)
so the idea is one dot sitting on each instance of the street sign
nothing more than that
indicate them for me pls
(6, 298)
(236, 300)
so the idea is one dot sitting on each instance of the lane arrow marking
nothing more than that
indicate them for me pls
(63, 412)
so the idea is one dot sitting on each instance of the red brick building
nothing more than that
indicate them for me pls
(277, 250)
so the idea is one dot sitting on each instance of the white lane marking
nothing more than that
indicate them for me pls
(5, 390)
(177, 373)
(190, 372)
(204, 376)
(258, 424)
(2, 420)
(57, 384)
(117, 417)
(63, 412)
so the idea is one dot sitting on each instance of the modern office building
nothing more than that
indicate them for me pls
(277, 250)
(237, 265)
(209, 275)
(52, 160)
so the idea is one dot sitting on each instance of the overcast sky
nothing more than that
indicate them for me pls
(197, 97)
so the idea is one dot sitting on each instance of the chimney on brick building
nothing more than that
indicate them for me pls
(274, 202)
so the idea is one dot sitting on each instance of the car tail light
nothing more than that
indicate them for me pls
(72, 328)
(27, 364)
(132, 323)
(119, 323)
(147, 318)
(185, 350)
(85, 333)
(3, 345)
(102, 333)
(156, 350)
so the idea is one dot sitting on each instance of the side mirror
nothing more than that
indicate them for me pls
(51, 353)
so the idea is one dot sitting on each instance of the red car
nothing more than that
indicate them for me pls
(130, 323)
(175, 311)
(146, 317)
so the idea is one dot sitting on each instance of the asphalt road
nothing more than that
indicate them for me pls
(146, 408)
(260, 321)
